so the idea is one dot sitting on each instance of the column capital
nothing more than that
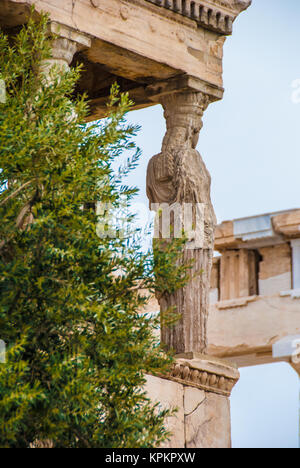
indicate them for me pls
(181, 84)
(63, 50)
(183, 106)
(65, 44)
(183, 112)
(82, 41)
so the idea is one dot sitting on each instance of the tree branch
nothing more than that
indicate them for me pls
(14, 194)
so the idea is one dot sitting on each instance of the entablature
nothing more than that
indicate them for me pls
(149, 47)
(215, 15)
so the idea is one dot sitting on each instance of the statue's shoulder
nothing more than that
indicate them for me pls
(161, 166)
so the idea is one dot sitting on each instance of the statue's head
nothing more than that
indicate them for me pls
(183, 113)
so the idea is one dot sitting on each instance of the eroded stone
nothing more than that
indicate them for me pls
(209, 425)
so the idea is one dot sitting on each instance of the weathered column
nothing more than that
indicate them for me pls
(177, 177)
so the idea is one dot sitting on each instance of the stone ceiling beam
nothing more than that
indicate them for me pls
(155, 44)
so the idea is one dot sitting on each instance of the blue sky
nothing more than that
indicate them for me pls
(250, 143)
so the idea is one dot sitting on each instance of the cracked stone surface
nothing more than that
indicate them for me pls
(208, 426)
(193, 398)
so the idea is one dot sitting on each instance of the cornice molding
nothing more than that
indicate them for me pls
(215, 15)
(205, 373)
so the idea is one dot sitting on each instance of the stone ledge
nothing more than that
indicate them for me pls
(83, 41)
(205, 373)
(258, 231)
(216, 16)
(293, 293)
(288, 224)
(182, 83)
(234, 303)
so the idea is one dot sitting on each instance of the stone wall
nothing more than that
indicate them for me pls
(245, 332)
(275, 269)
(202, 419)
(244, 273)
(199, 389)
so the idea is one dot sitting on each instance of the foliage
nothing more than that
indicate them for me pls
(70, 302)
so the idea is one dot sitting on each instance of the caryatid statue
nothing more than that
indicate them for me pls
(177, 177)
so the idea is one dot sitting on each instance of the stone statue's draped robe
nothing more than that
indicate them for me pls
(178, 175)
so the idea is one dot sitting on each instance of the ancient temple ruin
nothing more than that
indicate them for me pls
(254, 310)
(170, 52)
(255, 289)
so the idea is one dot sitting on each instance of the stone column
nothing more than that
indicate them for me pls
(200, 388)
(177, 177)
